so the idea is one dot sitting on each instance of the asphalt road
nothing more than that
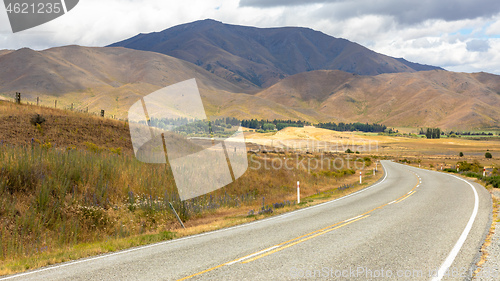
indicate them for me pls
(413, 224)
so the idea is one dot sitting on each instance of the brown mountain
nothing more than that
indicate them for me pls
(114, 78)
(249, 56)
(444, 99)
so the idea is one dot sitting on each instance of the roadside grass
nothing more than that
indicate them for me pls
(487, 241)
(58, 204)
(222, 218)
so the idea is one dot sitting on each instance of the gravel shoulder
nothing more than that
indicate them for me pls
(490, 270)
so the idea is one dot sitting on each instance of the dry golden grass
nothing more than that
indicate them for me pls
(65, 202)
(61, 128)
(487, 241)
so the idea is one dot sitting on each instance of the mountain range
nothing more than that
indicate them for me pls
(248, 72)
(259, 57)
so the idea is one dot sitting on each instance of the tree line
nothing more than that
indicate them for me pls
(362, 127)
(268, 125)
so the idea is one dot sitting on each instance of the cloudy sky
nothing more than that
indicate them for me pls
(458, 35)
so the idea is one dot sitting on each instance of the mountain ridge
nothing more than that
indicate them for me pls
(112, 79)
(251, 56)
(438, 98)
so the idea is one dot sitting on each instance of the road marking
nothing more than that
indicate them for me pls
(302, 240)
(461, 240)
(404, 198)
(454, 252)
(192, 236)
(253, 255)
(279, 247)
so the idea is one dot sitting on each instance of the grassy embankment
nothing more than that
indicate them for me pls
(71, 188)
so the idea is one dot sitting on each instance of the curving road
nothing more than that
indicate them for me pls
(413, 224)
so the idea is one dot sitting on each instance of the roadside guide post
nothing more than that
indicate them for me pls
(298, 192)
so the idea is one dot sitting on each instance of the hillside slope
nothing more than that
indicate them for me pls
(250, 56)
(115, 78)
(431, 98)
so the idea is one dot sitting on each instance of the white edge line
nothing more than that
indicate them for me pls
(461, 240)
(190, 237)
(391, 202)
(454, 252)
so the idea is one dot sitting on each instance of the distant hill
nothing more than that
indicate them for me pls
(259, 57)
(115, 78)
(443, 99)
(309, 76)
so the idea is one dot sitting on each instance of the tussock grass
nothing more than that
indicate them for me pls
(54, 200)
(70, 187)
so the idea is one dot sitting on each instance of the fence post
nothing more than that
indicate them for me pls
(102, 112)
(18, 98)
(37, 101)
(55, 103)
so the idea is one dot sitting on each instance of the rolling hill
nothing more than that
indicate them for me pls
(231, 64)
(439, 98)
(259, 57)
(114, 78)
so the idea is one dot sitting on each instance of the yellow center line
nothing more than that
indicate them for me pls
(410, 194)
(300, 241)
(265, 250)
(201, 272)
(316, 233)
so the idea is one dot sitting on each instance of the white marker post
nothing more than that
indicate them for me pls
(298, 192)
(360, 177)
(484, 172)
(376, 166)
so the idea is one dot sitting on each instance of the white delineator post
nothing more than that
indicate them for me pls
(298, 192)
(360, 177)
(484, 172)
